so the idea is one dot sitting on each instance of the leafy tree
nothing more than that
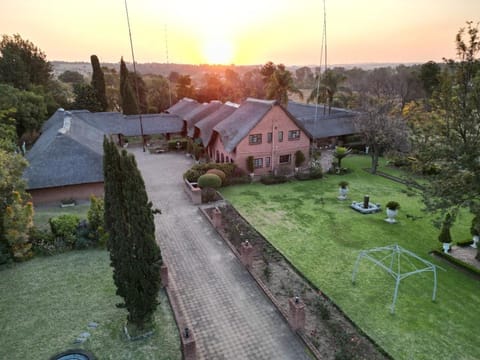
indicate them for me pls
(383, 129)
(429, 76)
(11, 170)
(8, 134)
(328, 87)
(71, 77)
(134, 254)
(304, 77)
(279, 83)
(212, 88)
(27, 108)
(22, 64)
(98, 83)
(17, 223)
(112, 88)
(86, 98)
(454, 144)
(253, 84)
(158, 94)
(184, 87)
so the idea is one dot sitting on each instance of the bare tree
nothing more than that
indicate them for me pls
(383, 129)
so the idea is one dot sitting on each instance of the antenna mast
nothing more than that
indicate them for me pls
(135, 77)
(168, 78)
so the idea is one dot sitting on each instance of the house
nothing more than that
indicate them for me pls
(182, 108)
(325, 128)
(198, 114)
(204, 128)
(264, 130)
(67, 159)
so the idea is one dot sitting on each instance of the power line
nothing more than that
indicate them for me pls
(168, 78)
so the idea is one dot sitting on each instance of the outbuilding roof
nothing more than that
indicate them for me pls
(319, 123)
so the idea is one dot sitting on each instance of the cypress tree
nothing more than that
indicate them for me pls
(134, 254)
(98, 83)
(127, 94)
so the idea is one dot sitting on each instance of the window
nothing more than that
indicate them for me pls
(294, 135)
(255, 139)
(227, 159)
(223, 158)
(280, 136)
(267, 162)
(269, 137)
(257, 163)
(284, 159)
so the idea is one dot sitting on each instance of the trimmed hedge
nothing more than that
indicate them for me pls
(198, 170)
(219, 173)
(273, 179)
(457, 262)
(210, 181)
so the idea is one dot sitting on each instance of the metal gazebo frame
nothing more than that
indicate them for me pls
(395, 253)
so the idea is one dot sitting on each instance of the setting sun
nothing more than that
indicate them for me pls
(218, 51)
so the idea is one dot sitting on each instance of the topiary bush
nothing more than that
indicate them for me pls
(212, 181)
(198, 170)
(177, 144)
(250, 164)
(219, 173)
(64, 228)
(192, 175)
(299, 158)
(445, 236)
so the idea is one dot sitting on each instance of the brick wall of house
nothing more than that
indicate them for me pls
(267, 154)
(76, 192)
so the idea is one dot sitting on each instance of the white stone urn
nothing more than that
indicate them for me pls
(446, 247)
(391, 215)
(475, 241)
(342, 193)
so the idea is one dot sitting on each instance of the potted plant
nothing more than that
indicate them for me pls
(445, 237)
(475, 230)
(342, 190)
(250, 166)
(299, 159)
(392, 211)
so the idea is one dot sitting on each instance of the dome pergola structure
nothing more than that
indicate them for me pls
(400, 263)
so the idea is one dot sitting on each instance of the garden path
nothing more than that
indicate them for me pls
(230, 316)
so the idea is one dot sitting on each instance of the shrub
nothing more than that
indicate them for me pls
(95, 216)
(445, 236)
(219, 173)
(240, 180)
(43, 242)
(182, 144)
(316, 172)
(250, 164)
(273, 179)
(392, 205)
(210, 181)
(343, 184)
(192, 175)
(299, 158)
(64, 228)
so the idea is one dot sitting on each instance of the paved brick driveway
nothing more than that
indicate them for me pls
(231, 317)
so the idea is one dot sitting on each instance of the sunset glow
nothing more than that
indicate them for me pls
(246, 32)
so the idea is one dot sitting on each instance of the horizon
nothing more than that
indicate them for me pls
(224, 32)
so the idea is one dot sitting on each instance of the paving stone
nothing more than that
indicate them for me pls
(230, 316)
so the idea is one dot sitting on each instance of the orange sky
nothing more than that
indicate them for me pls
(241, 32)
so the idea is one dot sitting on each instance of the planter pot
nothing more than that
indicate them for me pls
(342, 193)
(391, 215)
(475, 241)
(446, 247)
(252, 175)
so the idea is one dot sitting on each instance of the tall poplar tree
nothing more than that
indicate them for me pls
(127, 94)
(98, 83)
(134, 254)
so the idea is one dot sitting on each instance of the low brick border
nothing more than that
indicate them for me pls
(264, 288)
(268, 293)
(188, 344)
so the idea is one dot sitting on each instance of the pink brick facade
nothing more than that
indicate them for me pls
(272, 143)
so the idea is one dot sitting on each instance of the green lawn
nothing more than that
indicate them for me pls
(323, 236)
(49, 301)
(44, 212)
